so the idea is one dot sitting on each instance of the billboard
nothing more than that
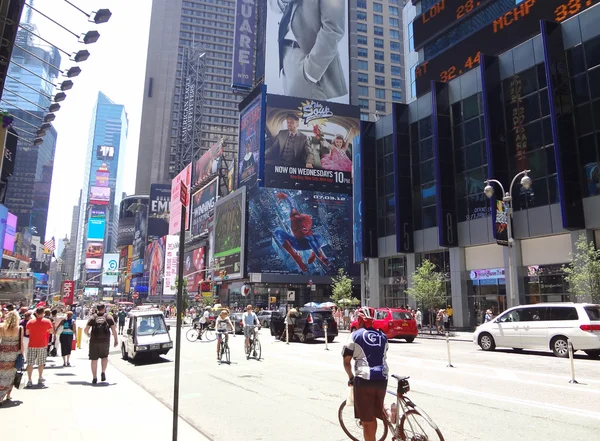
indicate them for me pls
(242, 75)
(9, 141)
(125, 268)
(67, 291)
(230, 226)
(102, 178)
(171, 260)
(98, 212)
(208, 164)
(154, 264)
(251, 119)
(203, 207)
(105, 152)
(96, 229)
(140, 232)
(93, 263)
(99, 195)
(358, 231)
(93, 276)
(158, 211)
(3, 225)
(299, 232)
(307, 49)
(110, 269)
(193, 268)
(11, 231)
(308, 144)
(184, 176)
(94, 249)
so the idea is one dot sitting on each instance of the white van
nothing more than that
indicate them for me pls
(544, 326)
(147, 335)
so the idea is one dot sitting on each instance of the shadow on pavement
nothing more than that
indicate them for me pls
(89, 383)
(66, 374)
(403, 342)
(10, 403)
(146, 361)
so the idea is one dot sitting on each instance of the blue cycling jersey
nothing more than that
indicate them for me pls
(368, 348)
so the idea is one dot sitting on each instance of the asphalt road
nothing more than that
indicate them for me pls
(294, 393)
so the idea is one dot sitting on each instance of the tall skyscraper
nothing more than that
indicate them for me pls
(102, 187)
(73, 238)
(175, 25)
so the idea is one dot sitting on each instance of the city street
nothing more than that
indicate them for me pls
(295, 391)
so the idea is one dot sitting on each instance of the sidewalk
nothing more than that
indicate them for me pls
(69, 407)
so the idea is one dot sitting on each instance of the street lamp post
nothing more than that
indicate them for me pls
(507, 200)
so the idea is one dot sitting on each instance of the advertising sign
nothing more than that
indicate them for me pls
(105, 152)
(94, 250)
(102, 178)
(307, 50)
(110, 269)
(242, 75)
(358, 231)
(299, 232)
(98, 212)
(88, 292)
(308, 144)
(11, 231)
(250, 141)
(67, 291)
(208, 164)
(193, 268)
(96, 229)
(158, 211)
(154, 265)
(230, 221)
(141, 232)
(184, 176)
(93, 263)
(3, 222)
(10, 152)
(203, 207)
(93, 276)
(487, 274)
(99, 195)
(125, 268)
(171, 260)
(501, 223)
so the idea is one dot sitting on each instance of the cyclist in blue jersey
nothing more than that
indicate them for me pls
(368, 347)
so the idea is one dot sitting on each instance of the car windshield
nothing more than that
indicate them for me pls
(151, 325)
(322, 315)
(397, 315)
(593, 312)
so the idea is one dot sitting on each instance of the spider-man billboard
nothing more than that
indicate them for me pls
(299, 232)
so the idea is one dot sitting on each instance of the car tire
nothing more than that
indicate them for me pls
(303, 338)
(593, 353)
(518, 349)
(124, 355)
(486, 342)
(409, 339)
(560, 346)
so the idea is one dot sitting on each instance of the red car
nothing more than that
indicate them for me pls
(394, 323)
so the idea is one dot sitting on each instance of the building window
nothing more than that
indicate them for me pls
(396, 58)
(394, 11)
(395, 46)
(362, 16)
(396, 83)
(380, 107)
(364, 104)
(361, 27)
(394, 34)
(380, 94)
(379, 81)
(396, 96)
(363, 77)
(363, 52)
(377, 19)
(386, 200)
(362, 39)
(379, 56)
(379, 43)
(361, 4)
(378, 30)
(411, 37)
(423, 176)
(396, 70)
(394, 22)
(377, 7)
(379, 68)
(364, 117)
(363, 65)
(363, 91)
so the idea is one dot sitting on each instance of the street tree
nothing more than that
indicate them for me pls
(583, 273)
(186, 296)
(341, 288)
(427, 288)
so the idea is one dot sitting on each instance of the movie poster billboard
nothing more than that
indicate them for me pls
(242, 75)
(158, 211)
(299, 232)
(312, 59)
(208, 164)
(251, 121)
(141, 232)
(230, 221)
(110, 269)
(500, 220)
(184, 176)
(193, 268)
(309, 144)
(99, 195)
(170, 266)
(203, 207)
(154, 265)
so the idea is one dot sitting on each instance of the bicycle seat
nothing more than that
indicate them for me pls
(399, 378)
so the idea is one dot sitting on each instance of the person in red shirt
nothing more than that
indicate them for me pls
(38, 330)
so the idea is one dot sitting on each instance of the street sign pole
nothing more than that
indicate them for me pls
(183, 198)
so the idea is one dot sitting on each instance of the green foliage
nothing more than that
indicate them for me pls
(341, 288)
(186, 296)
(427, 287)
(583, 273)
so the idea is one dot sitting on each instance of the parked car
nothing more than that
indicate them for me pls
(264, 318)
(309, 324)
(544, 326)
(236, 319)
(147, 334)
(394, 323)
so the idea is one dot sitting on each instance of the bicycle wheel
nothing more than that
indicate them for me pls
(192, 334)
(415, 426)
(227, 355)
(353, 428)
(257, 350)
(209, 335)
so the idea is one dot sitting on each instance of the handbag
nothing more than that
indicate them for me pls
(18, 378)
(20, 361)
(73, 344)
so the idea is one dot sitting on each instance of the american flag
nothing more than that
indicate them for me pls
(50, 244)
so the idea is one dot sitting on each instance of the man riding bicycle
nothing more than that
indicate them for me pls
(249, 321)
(223, 325)
(368, 348)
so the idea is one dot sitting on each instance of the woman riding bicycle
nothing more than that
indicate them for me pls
(223, 325)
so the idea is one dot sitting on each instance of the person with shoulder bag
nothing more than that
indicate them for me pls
(68, 329)
(101, 325)
(11, 354)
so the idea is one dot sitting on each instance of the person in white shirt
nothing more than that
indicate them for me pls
(223, 325)
(249, 320)
(419, 318)
(205, 318)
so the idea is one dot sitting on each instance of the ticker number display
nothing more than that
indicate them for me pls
(508, 30)
(105, 152)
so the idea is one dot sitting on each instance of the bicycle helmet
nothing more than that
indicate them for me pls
(365, 315)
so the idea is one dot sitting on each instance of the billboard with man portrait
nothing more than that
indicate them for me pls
(309, 143)
(307, 50)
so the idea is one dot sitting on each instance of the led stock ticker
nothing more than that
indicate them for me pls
(499, 36)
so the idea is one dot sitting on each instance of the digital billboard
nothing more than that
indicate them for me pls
(307, 50)
(93, 276)
(140, 232)
(171, 261)
(358, 231)
(158, 211)
(193, 267)
(110, 269)
(98, 212)
(105, 152)
(93, 263)
(208, 164)
(99, 195)
(251, 122)
(308, 144)
(242, 75)
(96, 229)
(299, 232)
(3, 221)
(125, 268)
(203, 207)
(184, 176)
(11, 231)
(94, 249)
(230, 221)
(154, 264)
(102, 178)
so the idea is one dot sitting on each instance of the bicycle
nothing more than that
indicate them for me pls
(253, 344)
(196, 332)
(411, 423)
(225, 348)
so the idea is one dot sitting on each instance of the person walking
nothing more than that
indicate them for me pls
(419, 318)
(23, 324)
(121, 317)
(11, 345)
(39, 328)
(69, 328)
(100, 325)
(450, 313)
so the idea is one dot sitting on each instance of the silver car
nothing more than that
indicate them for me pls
(147, 333)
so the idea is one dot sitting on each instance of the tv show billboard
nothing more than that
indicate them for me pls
(208, 164)
(307, 50)
(193, 268)
(230, 231)
(251, 122)
(110, 269)
(171, 261)
(299, 232)
(242, 75)
(308, 144)
(96, 229)
(154, 264)
(140, 234)
(203, 207)
(10, 233)
(99, 195)
(158, 211)
(184, 176)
